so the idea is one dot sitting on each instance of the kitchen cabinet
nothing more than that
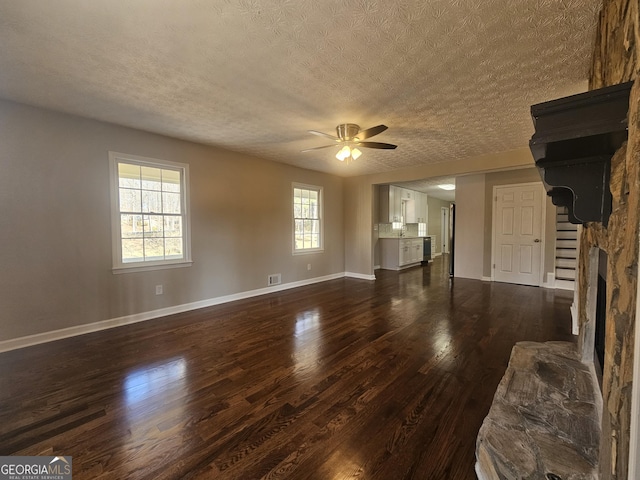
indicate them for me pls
(397, 204)
(421, 208)
(406, 194)
(390, 204)
(408, 205)
(399, 253)
(433, 245)
(416, 250)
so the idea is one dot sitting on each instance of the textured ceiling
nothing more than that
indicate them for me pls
(430, 187)
(450, 78)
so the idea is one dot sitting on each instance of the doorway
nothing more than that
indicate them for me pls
(518, 234)
(444, 229)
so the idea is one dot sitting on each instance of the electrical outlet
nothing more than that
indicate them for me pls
(308, 266)
(158, 289)
(274, 279)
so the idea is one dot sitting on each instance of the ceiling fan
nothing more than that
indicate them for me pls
(350, 137)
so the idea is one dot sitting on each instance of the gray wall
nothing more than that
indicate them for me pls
(469, 227)
(474, 217)
(56, 232)
(514, 177)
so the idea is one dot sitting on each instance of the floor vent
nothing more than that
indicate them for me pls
(274, 279)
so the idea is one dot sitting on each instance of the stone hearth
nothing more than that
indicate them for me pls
(545, 417)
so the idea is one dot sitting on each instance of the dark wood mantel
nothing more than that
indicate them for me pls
(572, 146)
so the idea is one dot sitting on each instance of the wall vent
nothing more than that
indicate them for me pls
(274, 279)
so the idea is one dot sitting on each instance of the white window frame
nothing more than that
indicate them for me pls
(118, 265)
(320, 190)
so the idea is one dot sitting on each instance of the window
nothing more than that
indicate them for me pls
(307, 218)
(150, 222)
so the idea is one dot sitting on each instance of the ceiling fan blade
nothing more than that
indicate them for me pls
(370, 132)
(386, 146)
(322, 134)
(317, 148)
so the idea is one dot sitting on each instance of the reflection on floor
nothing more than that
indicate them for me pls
(343, 379)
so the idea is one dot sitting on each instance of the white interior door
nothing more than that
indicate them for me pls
(518, 234)
(444, 229)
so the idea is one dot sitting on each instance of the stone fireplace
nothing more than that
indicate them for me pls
(607, 285)
(606, 289)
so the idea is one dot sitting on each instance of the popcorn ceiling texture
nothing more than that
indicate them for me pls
(451, 78)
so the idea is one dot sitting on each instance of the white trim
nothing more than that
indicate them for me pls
(361, 276)
(116, 246)
(634, 436)
(575, 312)
(320, 190)
(148, 268)
(494, 206)
(486, 279)
(53, 335)
(551, 280)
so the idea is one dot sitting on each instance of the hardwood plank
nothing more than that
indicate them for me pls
(344, 379)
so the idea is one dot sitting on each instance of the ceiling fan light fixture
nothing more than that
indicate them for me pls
(343, 153)
(347, 154)
(350, 137)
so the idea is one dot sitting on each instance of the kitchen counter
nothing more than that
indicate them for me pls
(400, 252)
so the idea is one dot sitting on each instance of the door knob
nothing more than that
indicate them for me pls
(537, 240)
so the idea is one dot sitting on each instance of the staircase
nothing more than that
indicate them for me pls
(566, 250)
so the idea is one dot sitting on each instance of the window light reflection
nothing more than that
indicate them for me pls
(306, 340)
(145, 384)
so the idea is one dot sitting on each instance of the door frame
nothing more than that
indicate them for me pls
(444, 229)
(543, 222)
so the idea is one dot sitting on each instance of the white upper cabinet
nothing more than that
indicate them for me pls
(390, 204)
(421, 208)
(398, 204)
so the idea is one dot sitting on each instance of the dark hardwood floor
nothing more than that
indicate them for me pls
(340, 380)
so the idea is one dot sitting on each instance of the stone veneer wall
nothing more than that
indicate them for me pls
(614, 61)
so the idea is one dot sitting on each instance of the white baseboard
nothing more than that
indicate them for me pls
(29, 340)
(551, 280)
(486, 279)
(361, 276)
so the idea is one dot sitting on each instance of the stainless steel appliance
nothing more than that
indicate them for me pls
(426, 250)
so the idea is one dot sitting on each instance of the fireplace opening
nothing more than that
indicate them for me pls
(601, 316)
